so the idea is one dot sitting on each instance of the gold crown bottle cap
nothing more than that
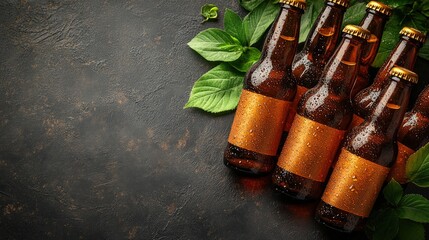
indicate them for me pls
(404, 74)
(413, 33)
(380, 7)
(301, 4)
(357, 31)
(344, 3)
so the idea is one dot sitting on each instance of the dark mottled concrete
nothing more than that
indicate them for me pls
(94, 143)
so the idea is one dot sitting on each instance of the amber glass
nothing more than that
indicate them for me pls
(374, 21)
(271, 76)
(374, 140)
(308, 64)
(403, 55)
(327, 105)
(413, 133)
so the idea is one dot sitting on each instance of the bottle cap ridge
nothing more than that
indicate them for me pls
(357, 31)
(413, 33)
(404, 74)
(344, 3)
(380, 7)
(301, 4)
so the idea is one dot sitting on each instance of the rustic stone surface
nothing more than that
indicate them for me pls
(94, 143)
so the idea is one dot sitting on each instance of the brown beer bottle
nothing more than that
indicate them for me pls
(268, 91)
(368, 152)
(323, 115)
(404, 55)
(374, 21)
(413, 134)
(319, 46)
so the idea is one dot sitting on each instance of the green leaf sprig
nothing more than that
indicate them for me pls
(233, 47)
(209, 11)
(402, 216)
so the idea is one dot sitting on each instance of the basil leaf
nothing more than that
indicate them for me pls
(414, 207)
(393, 192)
(249, 5)
(314, 7)
(216, 45)
(388, 41)
(417, 168)
(233, 25)
(259, 20)
(218, 90)
(384, 225)
(249, 57)
(209, 11)
(424, 51)
(354, 14)
(409, 230)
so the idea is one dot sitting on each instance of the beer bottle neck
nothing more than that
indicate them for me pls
(341, 69)
(390, 109)
(321, 40)
(282, 40)
(404, 55)
(374, 22)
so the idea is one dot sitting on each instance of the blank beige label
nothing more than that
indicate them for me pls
(354, 184)
(258, 123)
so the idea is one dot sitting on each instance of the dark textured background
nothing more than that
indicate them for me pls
(94, 143)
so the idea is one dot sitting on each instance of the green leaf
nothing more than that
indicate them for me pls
(218, 90)
(234, 26)
(424, 51)
(397, 3)
(216, 45)
(249, 57)
(259, 20)
(417, 168)
(424, 8)
(416, 20)
(388, 41)
(393, 192)
(409, 230)
(209, 11)
(414, 207)
(309, 17)
(383, 225)
(354, 14)
(249, 5)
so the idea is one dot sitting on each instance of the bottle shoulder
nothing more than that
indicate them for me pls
(265, 79)
(414, 131)
(321, 105)
(370, 142)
